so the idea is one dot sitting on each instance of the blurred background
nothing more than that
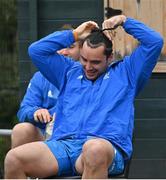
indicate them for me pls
(24, 21)
(9, 76)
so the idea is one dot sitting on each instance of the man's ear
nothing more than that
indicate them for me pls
(110, 58)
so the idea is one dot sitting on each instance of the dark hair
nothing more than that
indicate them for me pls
(98, 38)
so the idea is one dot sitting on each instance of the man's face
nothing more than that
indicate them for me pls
(93, 60)
(73, 51)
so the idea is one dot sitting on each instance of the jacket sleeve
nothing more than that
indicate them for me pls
(32, 100)
(143, 59)
(45, 57)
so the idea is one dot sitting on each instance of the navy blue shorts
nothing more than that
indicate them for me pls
(67, 151)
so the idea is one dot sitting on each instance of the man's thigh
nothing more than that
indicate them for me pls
(66, 152)
(36, 159)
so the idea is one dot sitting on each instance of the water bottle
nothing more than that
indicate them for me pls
(49, 127)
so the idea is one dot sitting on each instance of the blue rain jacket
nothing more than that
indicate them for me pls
(104, 108)
(40, 94)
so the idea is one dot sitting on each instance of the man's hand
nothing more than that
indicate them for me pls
(113, 22)
(42, 115)
(85, 29)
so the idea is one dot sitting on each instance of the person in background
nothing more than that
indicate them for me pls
(38, 105)
(92, 134)
(36, 110)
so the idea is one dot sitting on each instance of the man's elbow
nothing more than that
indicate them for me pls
(159, 42)
(32, 50)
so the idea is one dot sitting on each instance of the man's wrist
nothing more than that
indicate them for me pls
(123, 19)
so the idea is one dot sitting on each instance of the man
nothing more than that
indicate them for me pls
(38, 106)
(73, 51)
(36, 110)
(92, 135)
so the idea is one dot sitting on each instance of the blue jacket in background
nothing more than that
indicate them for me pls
(104, 108)
(40, 94)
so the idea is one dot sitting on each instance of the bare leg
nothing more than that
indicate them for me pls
(25, 133)
(30, 160)
(95, 159)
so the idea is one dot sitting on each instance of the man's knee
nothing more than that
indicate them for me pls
(95, 153)
(11, 162)
(24, 133)
(22, 129)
